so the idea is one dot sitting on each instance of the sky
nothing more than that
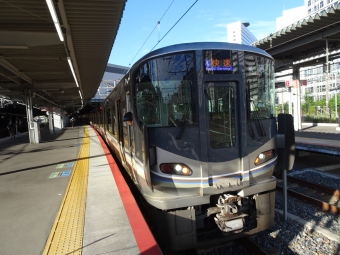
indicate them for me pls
(206, 21)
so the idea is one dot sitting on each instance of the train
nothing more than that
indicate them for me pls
(195, 129)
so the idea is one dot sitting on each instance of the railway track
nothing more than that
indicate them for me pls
(253, 248)
(323, 197)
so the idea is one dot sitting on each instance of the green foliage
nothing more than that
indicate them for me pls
(309, 99)
(282, 108)
(332, 102)
(317, 112)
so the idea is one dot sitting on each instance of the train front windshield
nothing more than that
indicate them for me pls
(164, 91)
(165, 88)
(259, 78)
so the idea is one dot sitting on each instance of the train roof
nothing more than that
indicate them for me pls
(201, 46)
(193, 46)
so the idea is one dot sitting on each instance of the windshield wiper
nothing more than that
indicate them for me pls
(256, 116)
(259, 122)
(182, 124)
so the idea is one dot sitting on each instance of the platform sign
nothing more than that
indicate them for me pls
(65, 173)
(65, 165)
(54, 175)
(60, 174)
(69, 164)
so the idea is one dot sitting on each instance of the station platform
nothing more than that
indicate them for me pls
(323, 138)
(66, 195)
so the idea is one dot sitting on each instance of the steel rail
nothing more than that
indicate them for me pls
(323, 205)
(327, 190)
(251, 246)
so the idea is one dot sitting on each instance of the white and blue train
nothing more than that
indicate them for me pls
(194, 126)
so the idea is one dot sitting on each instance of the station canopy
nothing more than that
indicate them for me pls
(34, 60)
(303, 43)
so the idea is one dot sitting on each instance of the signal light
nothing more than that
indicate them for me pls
(175, 168)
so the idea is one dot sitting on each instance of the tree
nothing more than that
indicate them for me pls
(308, 106)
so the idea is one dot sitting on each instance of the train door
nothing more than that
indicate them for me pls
(120, 130)
(129, 129)
(128, 136)
(224, 153)
(131, 143)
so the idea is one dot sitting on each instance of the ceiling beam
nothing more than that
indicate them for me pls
(33, 57)
(69, 42)
(14, 70)
(322, 35)
(28, 39)
(37, 86)
(12, 78)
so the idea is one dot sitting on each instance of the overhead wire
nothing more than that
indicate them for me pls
(174, 25)
(158, 22)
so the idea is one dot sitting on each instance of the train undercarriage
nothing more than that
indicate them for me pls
(226, 218)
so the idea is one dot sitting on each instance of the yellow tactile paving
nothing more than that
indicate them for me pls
(66, 236)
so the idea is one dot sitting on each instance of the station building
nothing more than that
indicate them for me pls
(238, 32)
(113, 74)
(321, 79)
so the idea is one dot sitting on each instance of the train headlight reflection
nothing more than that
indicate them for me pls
(175, 168)
(264, 156)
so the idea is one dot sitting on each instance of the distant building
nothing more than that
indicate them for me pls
(313, 6)
(238, 32)
(317, 79)
(290, 16)
(111, 77)
(310, 7)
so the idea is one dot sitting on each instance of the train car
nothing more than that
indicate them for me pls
(194, 126)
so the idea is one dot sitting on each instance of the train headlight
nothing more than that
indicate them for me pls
(175, 168)
(178, 168)
(264, 156)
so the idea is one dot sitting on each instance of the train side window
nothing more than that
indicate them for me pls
(113, 116)
(116, 125)
(109, 119)
(98, 118)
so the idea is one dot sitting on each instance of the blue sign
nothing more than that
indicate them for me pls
(65, 173)
(65, 165)
(69, 164)
(214, 65)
